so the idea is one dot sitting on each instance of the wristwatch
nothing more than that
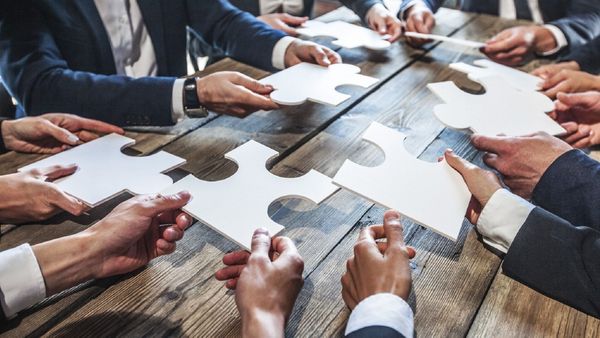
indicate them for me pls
(191, 104)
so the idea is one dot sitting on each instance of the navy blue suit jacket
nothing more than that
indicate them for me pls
(587, 56)
(579, 20)
(360, 7)
(55, 55)
(558, 259)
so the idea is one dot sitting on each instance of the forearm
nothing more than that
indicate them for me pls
(2, 133)
(66, 262)
(262, 324)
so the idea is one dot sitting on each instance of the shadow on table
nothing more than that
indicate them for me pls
(109, 325)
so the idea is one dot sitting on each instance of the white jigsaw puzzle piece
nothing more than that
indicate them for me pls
(431, 194)
(516, 78)
(502, 109)
(347, 34)
(104, 171)
(238, 205)
(306, 81)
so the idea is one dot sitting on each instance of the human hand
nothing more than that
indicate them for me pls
(306, 51)
(283, 22)
(481, 183)
(233, 93)
(420, 19)
(521, 160)
(52, 133)
(550, 70)
(378, 269)
(267, 282)
(30, 196)
(514, 46)
(570, 81)
(579, 114)
(128, 238)
(381, 20)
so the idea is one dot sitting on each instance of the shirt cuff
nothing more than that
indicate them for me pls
(177, 112)
(278, 59)
(408, 6)
(501, 219)
(21, 281)
(559, 36)
(382, 309)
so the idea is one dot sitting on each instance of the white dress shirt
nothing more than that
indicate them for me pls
(133, 50)
(293, 7)
(507, 10)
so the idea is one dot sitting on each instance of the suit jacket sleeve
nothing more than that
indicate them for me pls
(581, 22)
(376, 331)
(239, 34)
(588, 56)
(36, 74)
(361, 7)
(557, 259)
(434, 5)
(570, 189)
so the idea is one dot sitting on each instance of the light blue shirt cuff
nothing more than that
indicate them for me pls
(382, 309)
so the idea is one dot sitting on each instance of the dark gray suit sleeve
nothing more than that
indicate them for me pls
(570, 189)
(361, 7)
(376, 331)
(581, 22)
(557, 259)
(588, 56)
(434, 5)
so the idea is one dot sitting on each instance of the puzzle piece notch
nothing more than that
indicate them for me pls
(104, 171)
(238, 205)
(409, 185)
(305, 81)
(347, 34)
(502, 109)
(483, 67)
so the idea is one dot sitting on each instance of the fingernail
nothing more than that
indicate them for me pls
(450, 150)
(261, 231)
(73, 138)
(393, 219)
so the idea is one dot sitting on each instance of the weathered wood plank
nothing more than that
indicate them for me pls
(514, 310)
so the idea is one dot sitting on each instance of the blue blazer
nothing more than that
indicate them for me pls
(579, 20)
(55, 55)
(588, 56)
(360, 7)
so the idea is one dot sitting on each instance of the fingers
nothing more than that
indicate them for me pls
(332, 56)
(65, 202)
(98, 126)
(164, 247)
(319, 55)
(54, 172)
(491, 144)
(60, 134)
(293, 20)
(288, 254)
(236, 258)
(229, 272)
(393, 230)
(172, 234)
(251, 84)
(458, 163)
(176, 217)
(261, 243)
(153, 206)
(503, 42)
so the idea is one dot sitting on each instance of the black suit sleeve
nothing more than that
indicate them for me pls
(587, 56)
(375, 331)
(580, 23)
(557, 259)
(2, 145)
(361, 7)
(570, 189)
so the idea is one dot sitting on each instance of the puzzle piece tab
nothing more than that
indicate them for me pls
(238, 205)
(104, 171)
(347, 34)
(503, 109)
(431, 194)
(305, 81)
(483, 67)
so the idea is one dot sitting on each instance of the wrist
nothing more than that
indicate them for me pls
(544, 40)
(259, 323)
(68, 261)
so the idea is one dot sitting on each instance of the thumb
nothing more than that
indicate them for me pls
(457, 163)
(66, 202)
(293, 20)
(60, 134)
(55, 172)
(252, 85)
(261, 242)
(156, 205)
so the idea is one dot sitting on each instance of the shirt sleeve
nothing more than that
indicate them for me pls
(177, 101)
(382, 309)
(501, 219)
(281, 46)
(559, 36)
(402, 14)
(21, 281)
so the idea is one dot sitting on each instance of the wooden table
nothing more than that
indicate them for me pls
(459, 289)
